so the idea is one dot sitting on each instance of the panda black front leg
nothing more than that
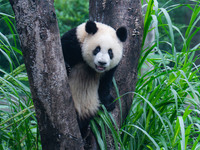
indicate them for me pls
(108, 102)
(83, 125)
(104, 90)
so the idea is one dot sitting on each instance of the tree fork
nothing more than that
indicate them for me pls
(40, 42)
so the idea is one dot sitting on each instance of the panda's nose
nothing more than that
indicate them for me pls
(102, 63)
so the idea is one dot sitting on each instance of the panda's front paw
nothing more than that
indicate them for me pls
(109, 103)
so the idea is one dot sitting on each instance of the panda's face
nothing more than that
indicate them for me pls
(102, 58)
(103, 50)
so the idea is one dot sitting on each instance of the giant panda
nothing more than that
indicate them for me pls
(92, 52)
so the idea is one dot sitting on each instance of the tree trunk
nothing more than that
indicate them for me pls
(123, 13)
(40, 42)
(118, 13)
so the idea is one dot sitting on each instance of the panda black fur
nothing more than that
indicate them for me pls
(92, 51)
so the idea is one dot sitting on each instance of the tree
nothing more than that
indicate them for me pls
(40, 42)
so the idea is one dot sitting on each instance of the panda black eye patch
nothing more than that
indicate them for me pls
(110, 53)
(97, 49)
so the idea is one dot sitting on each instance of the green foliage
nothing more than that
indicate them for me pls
(165, 109)
(71, 13)
(18, 125)
(8, 38)
(181, 19)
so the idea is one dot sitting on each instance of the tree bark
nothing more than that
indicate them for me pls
(40, 42)
(127, 13)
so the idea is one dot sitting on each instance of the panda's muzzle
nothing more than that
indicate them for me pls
(101, 66)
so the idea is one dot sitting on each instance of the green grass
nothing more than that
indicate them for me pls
(166, 108)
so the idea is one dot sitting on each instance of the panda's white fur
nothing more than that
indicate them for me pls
(84, 84)
(84, 88)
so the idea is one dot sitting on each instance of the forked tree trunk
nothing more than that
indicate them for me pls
(127, 13)
(40, 42)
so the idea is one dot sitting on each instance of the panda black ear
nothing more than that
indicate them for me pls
(122, 34)
(91, 27)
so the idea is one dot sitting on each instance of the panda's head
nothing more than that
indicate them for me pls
(102, 46)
